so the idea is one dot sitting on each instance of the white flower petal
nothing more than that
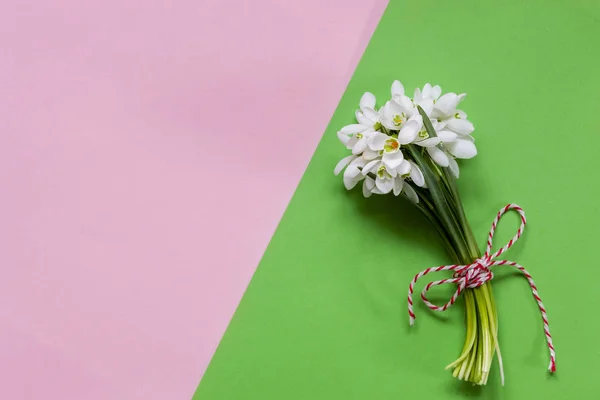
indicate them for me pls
(416, 175)
(446, 105)
(342, 164)
(447, 136)
(436, 91)
(392, 160)
(384, 185)
(353, 140)
(377, 141)
(417, 97)
(371, 115)
(350, 183)
(438, 156)
(397, 89)
(370, 166)
(440, 125)
(405, 105)
(367, 186)
(367, 100)
(369, 154)
(453, 166)
(388, 112)
(360, 117)
(344, 138)
(398, 184)
(410, 129)
(432, 141)
(460, 126)
(411, 194)
(404, 168)
(360, 146)
(427, 106)
(353, 168)
(462, 148)
(354, 128)
(427, 91)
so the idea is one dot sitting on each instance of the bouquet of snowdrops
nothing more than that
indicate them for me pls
(409, 147)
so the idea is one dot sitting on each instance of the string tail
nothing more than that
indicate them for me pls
(411, 290)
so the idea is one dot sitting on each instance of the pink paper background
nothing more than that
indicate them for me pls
(147, 151)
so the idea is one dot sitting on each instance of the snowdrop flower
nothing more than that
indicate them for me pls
(391, 179)
(398, 110)
(462, 147)
(399, 186)
(428, 93)
(385, 176)
(453, 127)
(410, 193)
(416, 175)
(352, 174)
(388, 147)
(427, 98)
(444, 158)
(367, 115)
(424, 140)
(355, 137)
(393, 114)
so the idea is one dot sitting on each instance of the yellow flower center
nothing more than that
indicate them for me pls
(381, 171)
(391, 145)
(397, 120)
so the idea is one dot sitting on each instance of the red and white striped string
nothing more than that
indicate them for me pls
(477, 273)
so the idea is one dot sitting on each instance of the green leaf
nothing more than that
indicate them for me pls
(448, 185)
(440, 202)
(427, 122)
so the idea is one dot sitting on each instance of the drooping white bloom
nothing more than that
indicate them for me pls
(462, 147)
(393, 115)
(355, 137)
(428, 93)
(392, 180)
(367, 115)
(352, 173)
(453, 127)
(416, 175)
(410, 193)
(396, 112)
(384, 176)
(443, 158)
(427, 98)
(388, 147)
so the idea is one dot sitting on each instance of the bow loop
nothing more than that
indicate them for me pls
(488, 251)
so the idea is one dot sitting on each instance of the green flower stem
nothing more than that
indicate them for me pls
(442, 205)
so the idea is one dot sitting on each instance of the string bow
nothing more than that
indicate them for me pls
(477, 273)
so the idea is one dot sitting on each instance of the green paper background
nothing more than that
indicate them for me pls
(325, 314)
